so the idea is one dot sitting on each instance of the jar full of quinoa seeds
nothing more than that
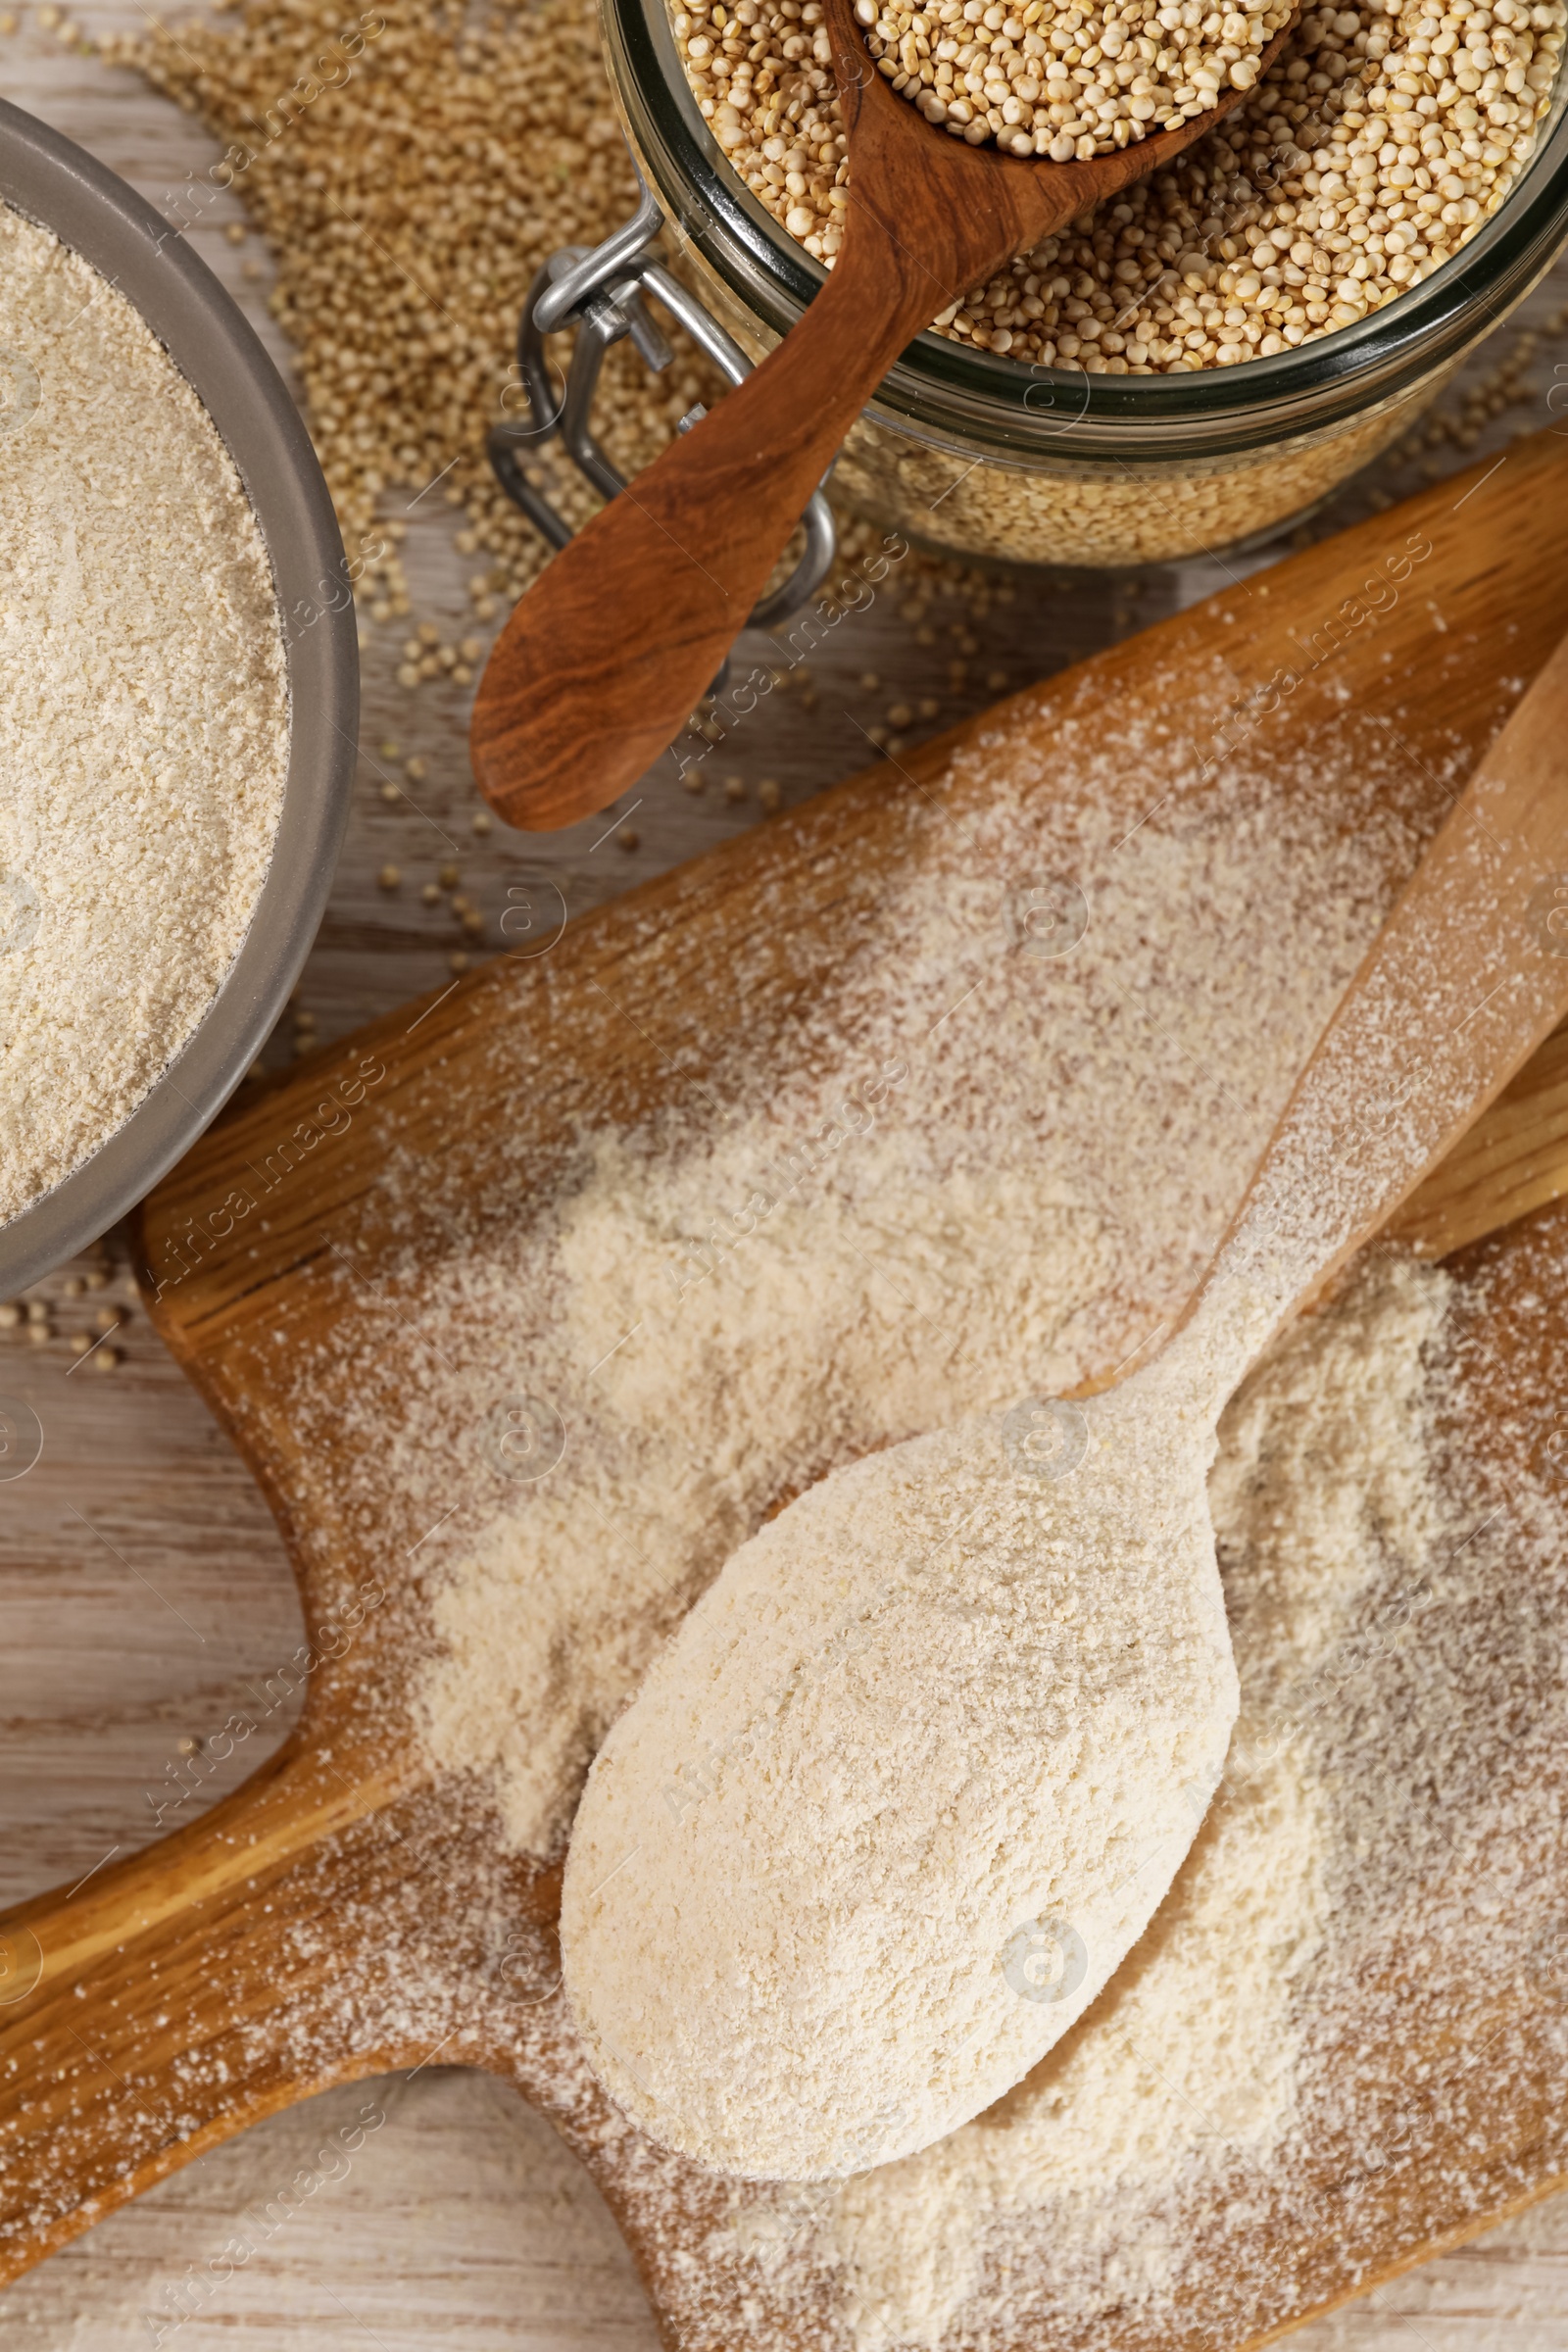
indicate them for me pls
(1205, 356)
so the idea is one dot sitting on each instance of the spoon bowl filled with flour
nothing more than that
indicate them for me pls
(177, 697)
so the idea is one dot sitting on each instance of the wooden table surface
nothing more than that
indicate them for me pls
(143, 1588)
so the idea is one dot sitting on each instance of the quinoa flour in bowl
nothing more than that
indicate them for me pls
(144, 721)
(179, 699)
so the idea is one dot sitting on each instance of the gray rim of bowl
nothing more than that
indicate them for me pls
(58, 186)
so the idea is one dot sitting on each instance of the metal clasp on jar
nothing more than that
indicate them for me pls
(599, 291)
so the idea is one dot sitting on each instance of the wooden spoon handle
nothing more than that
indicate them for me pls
(171, 1999)
(1466, 978)
(604, 659)
(1512, 1161)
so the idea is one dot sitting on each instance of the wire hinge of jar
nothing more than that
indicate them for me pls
(599, 290)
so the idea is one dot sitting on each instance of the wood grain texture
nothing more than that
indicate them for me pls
(442, 2210)
(345, 1911)
(602, 661)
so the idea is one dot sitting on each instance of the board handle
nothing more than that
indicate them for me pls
(166, 2002)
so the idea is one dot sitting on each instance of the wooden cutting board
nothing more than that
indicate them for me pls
(349, 1909)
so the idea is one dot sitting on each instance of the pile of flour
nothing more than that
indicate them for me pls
(899, 1799)
(144, 724)
(1188, 2065)
(1188, 2073)
(977, 1169)
(904, 1172)
(898, 1170)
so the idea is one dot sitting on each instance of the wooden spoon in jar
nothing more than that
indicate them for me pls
(607, 656)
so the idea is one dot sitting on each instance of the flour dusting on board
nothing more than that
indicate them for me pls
(930, 1216)
(580, 1388)
(802, 1332)
(1189, 2059)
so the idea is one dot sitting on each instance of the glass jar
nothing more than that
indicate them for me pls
(975, 455)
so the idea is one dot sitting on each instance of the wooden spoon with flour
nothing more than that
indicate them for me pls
(919, 1768)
